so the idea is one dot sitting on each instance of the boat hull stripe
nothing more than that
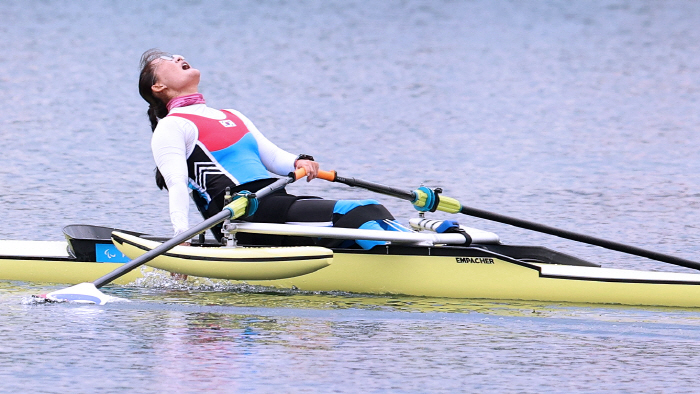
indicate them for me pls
(621, 280)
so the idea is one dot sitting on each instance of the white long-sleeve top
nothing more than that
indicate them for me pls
(174, 140)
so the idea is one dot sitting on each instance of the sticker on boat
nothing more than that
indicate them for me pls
(474, 260)
(106, 253)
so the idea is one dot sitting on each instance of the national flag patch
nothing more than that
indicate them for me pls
(227, 123)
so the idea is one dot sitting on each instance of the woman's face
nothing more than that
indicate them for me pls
(174, 77)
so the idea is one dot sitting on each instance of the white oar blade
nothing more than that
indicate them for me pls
(83, 293)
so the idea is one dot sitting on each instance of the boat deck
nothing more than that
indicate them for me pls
(34, 249)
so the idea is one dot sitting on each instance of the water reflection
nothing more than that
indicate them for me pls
(224, 341)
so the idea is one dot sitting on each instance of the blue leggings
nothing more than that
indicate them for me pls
(362, 214)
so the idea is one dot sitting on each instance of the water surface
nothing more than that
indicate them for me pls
(579, 115)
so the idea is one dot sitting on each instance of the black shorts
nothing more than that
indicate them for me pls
(281, 207)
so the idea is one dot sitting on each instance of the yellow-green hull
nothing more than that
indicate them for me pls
(50, 262)
(436, 276)
(478, 273)
(60, 271)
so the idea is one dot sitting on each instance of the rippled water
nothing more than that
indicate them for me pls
(580, 115)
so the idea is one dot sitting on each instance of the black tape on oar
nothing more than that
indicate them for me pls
(376, 187)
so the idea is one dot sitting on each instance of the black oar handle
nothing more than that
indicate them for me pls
(371, 186)
(633, 250)
(376, 187)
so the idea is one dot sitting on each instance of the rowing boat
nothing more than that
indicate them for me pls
(421, 263)
(436, 265)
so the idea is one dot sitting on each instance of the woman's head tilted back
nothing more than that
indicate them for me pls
(164, 77)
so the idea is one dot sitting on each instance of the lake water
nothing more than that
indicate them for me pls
(579, 115)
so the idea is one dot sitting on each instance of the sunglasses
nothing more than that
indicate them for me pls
(170, 58)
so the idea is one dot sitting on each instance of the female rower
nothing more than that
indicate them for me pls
(201, 151)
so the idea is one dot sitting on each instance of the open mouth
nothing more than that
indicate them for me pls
(185, 66)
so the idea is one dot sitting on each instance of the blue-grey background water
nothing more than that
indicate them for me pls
(579, 115)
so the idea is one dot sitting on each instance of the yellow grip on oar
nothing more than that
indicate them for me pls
(431, 200)
(238, 207)
(449, 205)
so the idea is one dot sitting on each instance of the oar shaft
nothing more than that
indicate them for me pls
(278, 184)
(375, 187)
(604, 243)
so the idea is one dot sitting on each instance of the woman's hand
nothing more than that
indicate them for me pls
(311, 168)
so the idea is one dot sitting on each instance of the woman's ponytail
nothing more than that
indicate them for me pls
(156, 107)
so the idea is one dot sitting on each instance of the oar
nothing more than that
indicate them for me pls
(88, 293)
(426, 199)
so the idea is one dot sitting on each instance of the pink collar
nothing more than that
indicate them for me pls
(184, 101)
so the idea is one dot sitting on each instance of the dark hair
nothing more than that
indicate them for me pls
(156, 107)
